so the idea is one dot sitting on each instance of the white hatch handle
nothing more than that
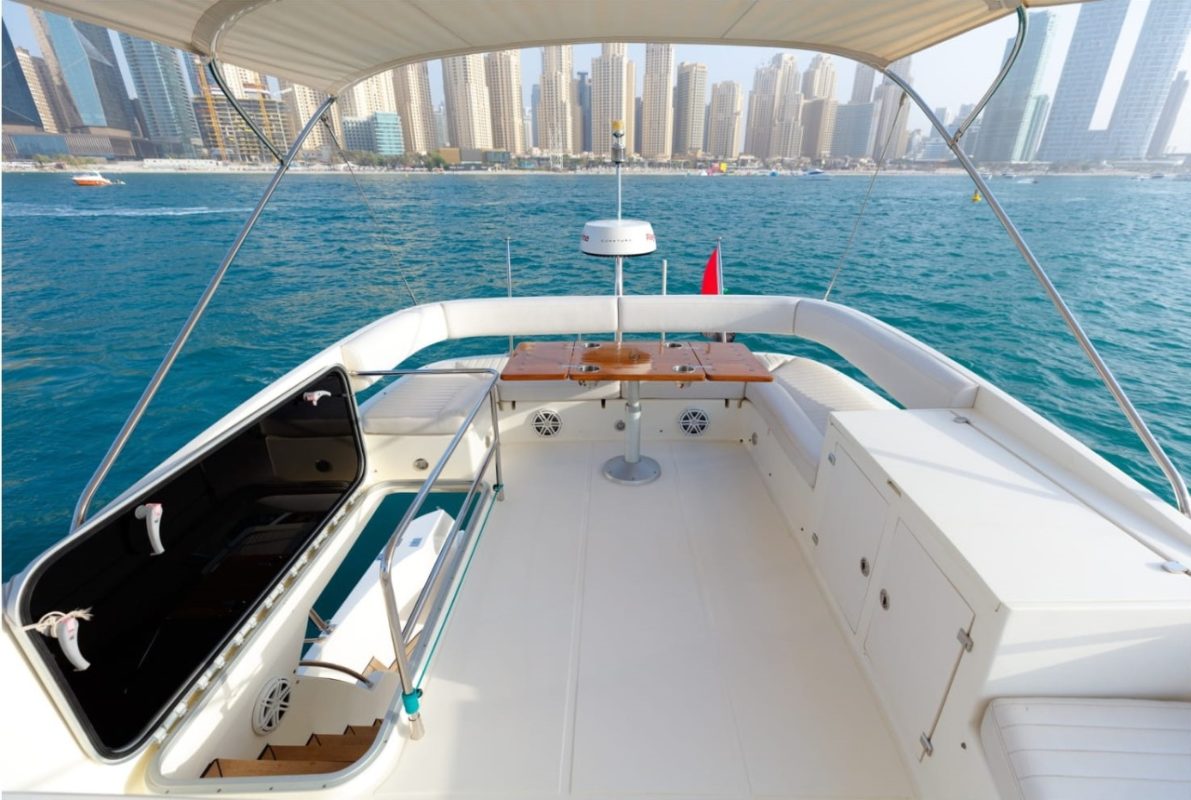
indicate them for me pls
(151, 514)
(314, 397)
(64, 628)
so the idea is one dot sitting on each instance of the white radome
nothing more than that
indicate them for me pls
(618, 237)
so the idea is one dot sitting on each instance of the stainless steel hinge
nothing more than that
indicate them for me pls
(924, 740)
(965, 639)
(831, 458)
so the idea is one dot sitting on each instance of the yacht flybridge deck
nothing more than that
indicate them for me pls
(672, 567)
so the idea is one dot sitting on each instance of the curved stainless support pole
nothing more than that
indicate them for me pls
(213, 68)
(80, 509)
(1022, 25)
(1143, 431)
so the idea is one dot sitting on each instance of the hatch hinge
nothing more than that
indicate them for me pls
(965, 639)
(927, 747)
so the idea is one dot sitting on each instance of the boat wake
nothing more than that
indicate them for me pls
(31, 210)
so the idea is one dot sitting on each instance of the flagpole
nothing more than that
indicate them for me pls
(663, 295)
(719, 274)
(509, 276)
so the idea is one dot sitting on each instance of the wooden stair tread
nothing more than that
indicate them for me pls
(365, 735)
(245, 768)
(326, 752)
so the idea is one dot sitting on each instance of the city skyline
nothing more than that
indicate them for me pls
(632, 78)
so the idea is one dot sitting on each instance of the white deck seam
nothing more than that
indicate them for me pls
(566, 773)
(709, 613)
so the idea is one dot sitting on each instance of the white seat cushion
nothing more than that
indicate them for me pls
(423, 405)
(797, 404)
(1088, 749)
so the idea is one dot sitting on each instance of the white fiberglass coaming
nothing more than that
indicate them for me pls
(924, 590)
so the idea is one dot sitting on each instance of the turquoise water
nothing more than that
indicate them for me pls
(97, 282)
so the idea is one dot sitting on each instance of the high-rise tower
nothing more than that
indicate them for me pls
(658, 102)
(612, 87)
(469, 116)
(503, 73)
(1005, 128)
(555, 113)
(724, 118)
(411, 90)
(161, 89)
(690, 104)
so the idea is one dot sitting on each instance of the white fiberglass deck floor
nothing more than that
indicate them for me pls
(660, 640)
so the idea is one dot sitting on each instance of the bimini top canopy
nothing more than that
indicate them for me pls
(330, 46)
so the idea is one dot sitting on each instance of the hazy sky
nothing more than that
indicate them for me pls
(951, 74)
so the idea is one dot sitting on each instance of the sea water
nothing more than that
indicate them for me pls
(96, 283)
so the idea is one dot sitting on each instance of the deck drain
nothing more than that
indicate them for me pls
(694, 421)
(546, 423)
(271, 705)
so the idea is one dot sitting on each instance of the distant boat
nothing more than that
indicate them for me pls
(93, 179)
(1028, 180)
(1008, 174)
(1157, 176)
(817, 173)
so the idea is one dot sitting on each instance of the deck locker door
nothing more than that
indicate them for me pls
(913, 640)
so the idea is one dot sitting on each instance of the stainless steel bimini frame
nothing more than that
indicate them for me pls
(1147, 437)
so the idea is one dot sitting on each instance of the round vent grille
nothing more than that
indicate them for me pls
(693, 421)
(271, 705)
(547, 423)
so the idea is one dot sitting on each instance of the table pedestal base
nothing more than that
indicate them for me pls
(619, 470)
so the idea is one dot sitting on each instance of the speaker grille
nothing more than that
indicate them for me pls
(546, 423)
(694, 421)
(271, 705)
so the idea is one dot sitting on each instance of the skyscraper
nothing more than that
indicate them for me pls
(658, 102)
(862, 83)
(469, 115)
(819, 79)
(365, 98)
(724, 120)
(84, 54)
(555, 121)
(244, 84)
(300, 103)
(36, 76)
(1170, 114)
(1036, 112)
(855, 129)
(441, 131)
(161, 89)
(690, 108)
(762, 104)
(612, 87)
(1160, 45)
(818, 124)
(20, 109)
(1068, 136)
(535, 107)
(411, 90)
(891, 137)
(786, 136)
(503, 73)
(583, 112)
(1006, 125)
(66, 116)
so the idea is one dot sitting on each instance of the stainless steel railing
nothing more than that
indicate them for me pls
(430, 601)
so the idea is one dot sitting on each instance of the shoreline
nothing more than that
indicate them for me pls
(136, 168)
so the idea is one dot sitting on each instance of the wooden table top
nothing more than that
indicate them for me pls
(678, 362)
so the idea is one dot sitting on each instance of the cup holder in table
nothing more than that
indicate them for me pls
(683, 369)
(586, 369)
(591, 345)
(674, 344)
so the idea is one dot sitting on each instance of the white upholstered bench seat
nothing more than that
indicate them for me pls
(1048, 748)
(797, 404)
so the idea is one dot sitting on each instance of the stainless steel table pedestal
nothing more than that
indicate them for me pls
(632, 469)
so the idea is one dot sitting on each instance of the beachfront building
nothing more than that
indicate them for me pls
(555, 125)
(503, 74)
(411, 90)
(690, 108)
(300, 104)
(613, 78)
(165, 104)
(227, 137)
(658, 102)
(725, 115)
(469, 115)
(1005, 131)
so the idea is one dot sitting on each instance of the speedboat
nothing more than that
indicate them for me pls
(661, 566)
(90, 179)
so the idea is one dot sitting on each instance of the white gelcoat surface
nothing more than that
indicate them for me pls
(643, 641)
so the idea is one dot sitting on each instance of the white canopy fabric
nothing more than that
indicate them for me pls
(331, 45)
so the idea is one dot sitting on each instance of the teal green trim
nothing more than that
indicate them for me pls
(455, 596)
(411, 702)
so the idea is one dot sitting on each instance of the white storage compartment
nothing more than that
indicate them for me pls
(915, 637)
(847, 533)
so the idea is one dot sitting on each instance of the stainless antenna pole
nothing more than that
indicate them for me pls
(509, 277)
(138, 411)
(663, 295)
(618, 159)
(1139, 426)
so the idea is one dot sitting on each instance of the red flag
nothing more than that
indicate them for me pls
(711, 274)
